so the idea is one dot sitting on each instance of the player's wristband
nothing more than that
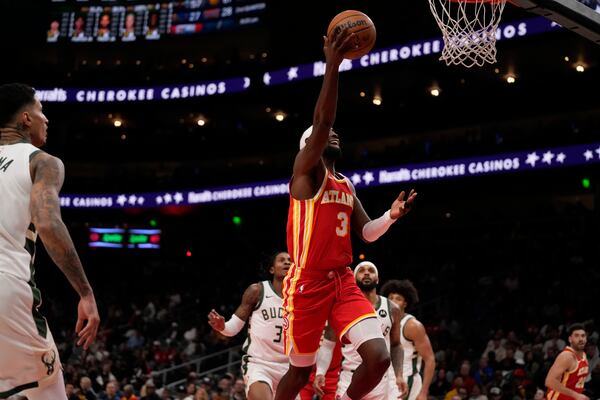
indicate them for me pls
(377, 227)
(233, 326)
(324, 356)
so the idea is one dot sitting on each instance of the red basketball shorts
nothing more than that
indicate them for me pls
(311, 298)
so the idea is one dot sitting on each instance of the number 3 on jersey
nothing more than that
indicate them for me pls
(342, 229)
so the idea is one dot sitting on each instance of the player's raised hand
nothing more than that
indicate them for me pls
(337, 45)
(216, 321)
(400, 207)
(319, 384)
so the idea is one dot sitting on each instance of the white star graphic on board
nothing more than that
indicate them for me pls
(588, 155)
(168, 198)
(267, 78)
(368, 177)
(292, 73)
(132, 199)
(561, 157)
(547, 158)
(598, 151)
(121, 200)
(355, 178)
(532, 158)
(140, 201)
(159, 200)
(178, 198)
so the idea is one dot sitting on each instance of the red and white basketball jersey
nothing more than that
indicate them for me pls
(318, 229)
(574, 380)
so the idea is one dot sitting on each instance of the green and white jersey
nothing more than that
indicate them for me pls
(17, 233)
(412, 360)
(265, 328)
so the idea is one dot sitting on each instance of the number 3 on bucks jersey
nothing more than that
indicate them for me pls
(279, 330)
(342, 229)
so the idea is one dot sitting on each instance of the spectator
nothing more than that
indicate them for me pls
(70, 389)
(465, 374)
(484, 373)
(110, 392)
(150, 392)
(202, 394)
(540, 394)
(457, 384)
(553, 341)
(128, 393)
(105, 375)
(496, 344)
(87, 393)
(190, 390)
(476, 393)
(238, 392)
(440, 385)
(495, 393)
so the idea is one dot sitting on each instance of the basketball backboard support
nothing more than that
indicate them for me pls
(570, 14)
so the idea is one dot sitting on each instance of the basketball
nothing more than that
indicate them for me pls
(358, 23)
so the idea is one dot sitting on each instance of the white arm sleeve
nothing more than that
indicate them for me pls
(324, 356)
(233, 326)
(374, 229)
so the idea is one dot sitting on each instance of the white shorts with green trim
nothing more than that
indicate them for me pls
(28, 355)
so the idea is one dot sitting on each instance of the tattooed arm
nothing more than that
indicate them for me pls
(47, 174)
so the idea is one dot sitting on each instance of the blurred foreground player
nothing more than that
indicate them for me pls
(30, 181)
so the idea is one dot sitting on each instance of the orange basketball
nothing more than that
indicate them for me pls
(358, 23)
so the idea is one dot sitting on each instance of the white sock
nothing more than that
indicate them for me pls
(345, 397)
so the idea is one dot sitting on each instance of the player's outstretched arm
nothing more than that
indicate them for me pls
(415, 331)
(48, 176)
(309, 157)
(396, 350)
(242, 313)
(563, 363)
(371, 230)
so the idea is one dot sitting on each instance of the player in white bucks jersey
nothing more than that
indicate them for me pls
(415, 342)
(30, 181)
(388, 314)
(265, 361)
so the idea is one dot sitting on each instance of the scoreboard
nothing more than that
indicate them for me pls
(120, 238)
(86, 21)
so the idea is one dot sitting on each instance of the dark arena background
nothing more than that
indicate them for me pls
(179, 138)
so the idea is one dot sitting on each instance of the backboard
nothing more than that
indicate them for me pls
(571, 14)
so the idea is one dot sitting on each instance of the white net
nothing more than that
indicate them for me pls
(469, 30)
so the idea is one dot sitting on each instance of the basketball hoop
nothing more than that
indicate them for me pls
(469, 30)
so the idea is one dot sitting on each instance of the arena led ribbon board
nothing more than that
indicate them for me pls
(128, 238)
(533, 160)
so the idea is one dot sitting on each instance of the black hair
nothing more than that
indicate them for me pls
(575, 327)
(267, 263)
(13, 97)
(404, 287)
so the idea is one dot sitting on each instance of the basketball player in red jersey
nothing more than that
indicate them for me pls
(319, 286)
(324, 383)
(567, 375)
